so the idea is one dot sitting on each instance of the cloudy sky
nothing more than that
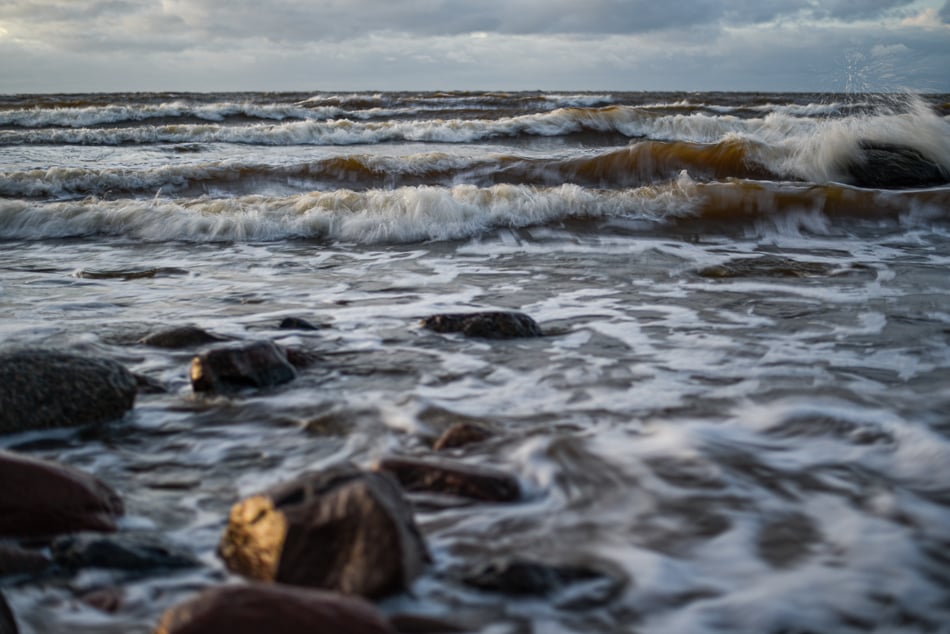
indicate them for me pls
(767, 45)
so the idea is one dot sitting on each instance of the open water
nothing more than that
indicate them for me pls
(760, 449)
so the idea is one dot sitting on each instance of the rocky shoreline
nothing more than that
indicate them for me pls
(314, 550)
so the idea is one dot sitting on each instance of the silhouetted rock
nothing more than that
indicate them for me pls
(412, 624)
(341, 529)
(255, 608)
(461, 434)
(40, 498)
(231, 368)
(569, 587)
(296, 323)
(15, 560)
(181, 337)
(893, 166)
(487, 325)
(7, 622)
(40, 389)
(452, 478)
(133, 552)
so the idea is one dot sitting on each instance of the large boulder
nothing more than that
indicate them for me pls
(256, 608)
(485, 325)
(232, 368)
(892, 166)
(342, 529)
(41, 498)
(40, 389)
(452, 478)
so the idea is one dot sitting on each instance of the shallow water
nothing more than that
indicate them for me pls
(760, 450)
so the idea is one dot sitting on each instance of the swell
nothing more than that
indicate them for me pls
(425, 213)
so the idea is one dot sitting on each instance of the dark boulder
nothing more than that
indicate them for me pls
(231, 368)
(341, 529)
(486, 325)
(893, 166)
(181, 337)
(40, 389)
(133, 552)
(766, 266)
(460, 435)
(40, 498)
(7, 622)
(452, 478)
(567, 586)
(256, 608)
(15, 560)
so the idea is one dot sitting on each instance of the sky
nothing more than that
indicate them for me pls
(309, 45)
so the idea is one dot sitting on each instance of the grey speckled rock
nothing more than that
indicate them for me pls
(487, 325)
(40, 389)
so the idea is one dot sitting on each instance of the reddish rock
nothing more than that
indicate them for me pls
(40, 389)
(452, 478)
(228, 369)
(257, 608)
(341, 529)
(461, 434)
(41, 498)
(486, 325)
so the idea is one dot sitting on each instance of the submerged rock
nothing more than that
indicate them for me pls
(133, 552)
(452, 478)
(7, 622)
(231, 368)
(41, 389)
(41, 498)
(181, 337)
(570, 587)
(892, 166)
(460, 435)
(766, 266)
(296, 323)
(487, 325)
(256, 608)
(341, 529)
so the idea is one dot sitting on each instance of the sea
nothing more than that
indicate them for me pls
(738, 418)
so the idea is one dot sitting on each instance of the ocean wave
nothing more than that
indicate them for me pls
(426, 213)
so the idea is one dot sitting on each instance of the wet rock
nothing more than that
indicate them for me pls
(570, 587)
(231, 368)
(460, 435)
(787, 539)
(130, 274)
(256, 608)
(487, 325)
(341, 529)
(892, 166)
(148, 385)
(133, 552)
(412, 624)
(40, 389)
(108, 600)
(41, 498)
(7, 622)
(15, 560)
(766, 266)
(296, 323)
(300, 358)
(452, 478)
(181, 337)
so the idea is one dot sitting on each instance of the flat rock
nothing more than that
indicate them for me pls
(568, 586)
(892, 166)
(42, 389)
(231, 368)
(41, 498)
(342, 529)
(7, 622)
(460, 435)
(181, 337)
(133, 552)
(452, 478)
(766, 266)
(296, 323)
(485, 325)
(256, 608)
